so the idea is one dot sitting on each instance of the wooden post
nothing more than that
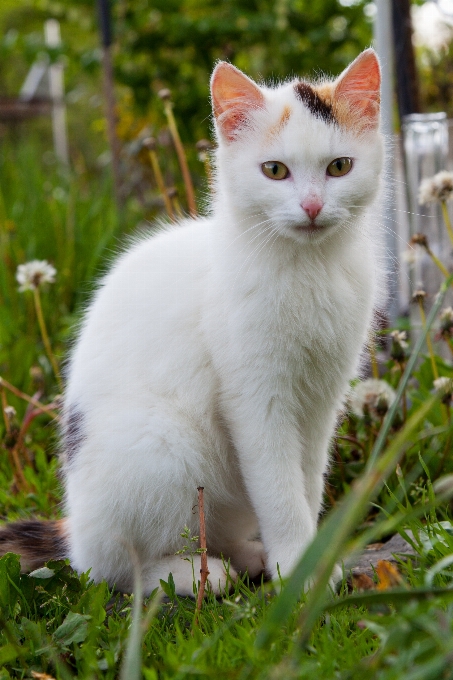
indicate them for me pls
(405, 68)
(56, 90)
(109, 96)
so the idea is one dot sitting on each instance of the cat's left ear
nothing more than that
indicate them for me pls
(234, 97)
(359, 87)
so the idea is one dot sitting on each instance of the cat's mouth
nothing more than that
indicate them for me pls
(311, 228)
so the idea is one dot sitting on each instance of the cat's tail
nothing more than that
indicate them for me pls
(35, 541)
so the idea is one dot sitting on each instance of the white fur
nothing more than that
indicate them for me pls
(217, 353)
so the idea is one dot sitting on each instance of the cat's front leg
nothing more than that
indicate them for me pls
(270, 453)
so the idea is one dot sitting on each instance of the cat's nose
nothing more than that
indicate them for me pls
(312, 207)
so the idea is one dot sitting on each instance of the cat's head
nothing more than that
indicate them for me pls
(304, 159)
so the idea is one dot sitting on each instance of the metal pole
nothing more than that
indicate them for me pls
(383, 38)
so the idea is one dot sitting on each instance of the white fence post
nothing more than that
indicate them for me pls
(56, 88)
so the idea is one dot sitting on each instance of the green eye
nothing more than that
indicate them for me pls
(275, 170)
(339, 167)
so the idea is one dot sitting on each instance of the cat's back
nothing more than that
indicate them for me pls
(148, 301)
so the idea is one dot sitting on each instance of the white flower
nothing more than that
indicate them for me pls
(412, 256)
(446, 323)
(444, 386)
(418, 296)
(400, 337)
(372, 397)
(10, 412)
(437, 188)
(32, 274)
(446, 315)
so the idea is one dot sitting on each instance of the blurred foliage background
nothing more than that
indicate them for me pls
(65, 214)
(174, 43)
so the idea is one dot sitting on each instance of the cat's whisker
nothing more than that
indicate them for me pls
(262, 230)
(400, 210)
(272, 238)
(266, 232)
(242, 233)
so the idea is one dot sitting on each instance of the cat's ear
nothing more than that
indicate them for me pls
(234, 97)
(359, 87)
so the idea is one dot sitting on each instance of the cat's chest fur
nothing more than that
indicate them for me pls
(294, 320)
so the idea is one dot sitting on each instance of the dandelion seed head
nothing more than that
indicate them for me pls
(442, 383)
(400, 337)
(446, 322)
(447, 314)
(418, 296)
(444, 387)
(10, 412)
(34, 273)
(436, 189)
(412, 256)
(419, 240)
(164, 94)
(372, 396)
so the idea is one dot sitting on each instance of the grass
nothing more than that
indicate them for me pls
(387, 461)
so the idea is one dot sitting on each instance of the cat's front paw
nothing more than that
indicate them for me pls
(334, 580)
(221, 576)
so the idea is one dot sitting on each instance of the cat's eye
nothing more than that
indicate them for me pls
(275, 170)
(339, 167)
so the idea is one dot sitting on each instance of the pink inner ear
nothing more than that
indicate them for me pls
(233, 96)
(360, 85)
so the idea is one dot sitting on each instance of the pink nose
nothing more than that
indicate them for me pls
(312, 207)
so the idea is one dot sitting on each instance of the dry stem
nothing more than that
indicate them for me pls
(177, 206)
(45, 337)
(437, 262)
(160, 182)
(181, 158)
(428, 341)
(204, 572)
(45, 408)
(446, 217)
(12, 449)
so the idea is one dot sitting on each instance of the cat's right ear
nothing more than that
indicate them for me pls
(234, 96)
(359, 86)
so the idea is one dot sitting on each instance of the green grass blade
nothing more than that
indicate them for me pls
(330, 542)
(131, 668)
(393, 595)
(388, 420)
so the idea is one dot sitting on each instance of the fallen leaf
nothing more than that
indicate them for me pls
(388, 575)
(362, 582)
(41, 676)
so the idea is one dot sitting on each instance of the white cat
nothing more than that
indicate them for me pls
(217, 352)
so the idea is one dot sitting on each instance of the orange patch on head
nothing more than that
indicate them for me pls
(280, 124)
(342, 111)
(354, 96)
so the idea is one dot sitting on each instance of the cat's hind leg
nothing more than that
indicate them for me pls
(132, 489)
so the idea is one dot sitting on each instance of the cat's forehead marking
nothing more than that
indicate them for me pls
(277, 127)
(344, 114)
(312, 97)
